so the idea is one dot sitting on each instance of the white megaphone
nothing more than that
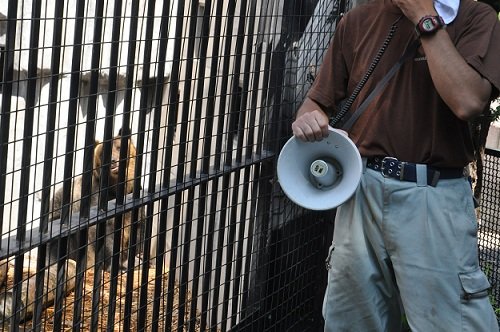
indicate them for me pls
(320, 175)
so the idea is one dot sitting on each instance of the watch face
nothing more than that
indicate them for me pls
(428, 24)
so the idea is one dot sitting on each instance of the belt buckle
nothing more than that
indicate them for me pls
(388, 170)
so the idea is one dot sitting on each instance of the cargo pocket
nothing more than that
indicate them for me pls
(477, 313)
(475, 285)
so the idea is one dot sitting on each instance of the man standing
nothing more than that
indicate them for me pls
(406, 242)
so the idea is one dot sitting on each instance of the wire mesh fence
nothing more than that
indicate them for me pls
(489, 225)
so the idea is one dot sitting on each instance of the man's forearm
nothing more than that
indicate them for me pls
(460, 86)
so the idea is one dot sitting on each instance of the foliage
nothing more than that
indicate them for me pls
(493, 3)
(495, 112)
(488, 270)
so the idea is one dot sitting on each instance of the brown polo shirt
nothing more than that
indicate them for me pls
(408, 120)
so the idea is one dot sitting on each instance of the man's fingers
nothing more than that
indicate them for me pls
(311, 126)
(323, 127)
(303, 132)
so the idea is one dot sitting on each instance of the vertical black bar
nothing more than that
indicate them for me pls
(146, 79)
(228, 161)
(7, 83)
(208, 263)
(263, 120)
(225, 79)
(2, 64)
(110, 113)
(256, 266)
(27, 145)
(172, 122)
(257, 56)
(237, 108)
(240, 240)
(61, 264)
(158, 107)
(211, 96)
(222, 248)
(25, 166)
(261, 238)
(228, 274)
(253, 143)
(200, 218)
(149, 210)
(207, 152)
(104, 190)
(250, 241)
(274, 98)
(28, 123)
(188, 225)
(91, 115)
(127, 314)
(226, 177)
(219, 253)
(87, 162)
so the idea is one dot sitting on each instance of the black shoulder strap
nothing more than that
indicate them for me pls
(346, 104)
(409, 53)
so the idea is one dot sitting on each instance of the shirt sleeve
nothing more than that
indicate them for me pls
(329, 86)
(480, 45)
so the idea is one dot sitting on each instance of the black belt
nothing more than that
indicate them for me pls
(403, 171)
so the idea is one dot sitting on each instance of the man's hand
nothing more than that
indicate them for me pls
(414, 10)
(311, 123)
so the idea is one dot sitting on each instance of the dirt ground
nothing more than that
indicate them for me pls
(67, 320)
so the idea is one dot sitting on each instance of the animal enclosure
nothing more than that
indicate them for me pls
(137, 150)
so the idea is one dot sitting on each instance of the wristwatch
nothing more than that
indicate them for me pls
(428, 25)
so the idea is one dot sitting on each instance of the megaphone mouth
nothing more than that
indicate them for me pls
(320, 175)
(325, 173)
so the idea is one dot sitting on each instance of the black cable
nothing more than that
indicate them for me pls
(346, 105)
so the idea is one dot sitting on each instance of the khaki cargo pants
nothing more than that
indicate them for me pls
(403, 245)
